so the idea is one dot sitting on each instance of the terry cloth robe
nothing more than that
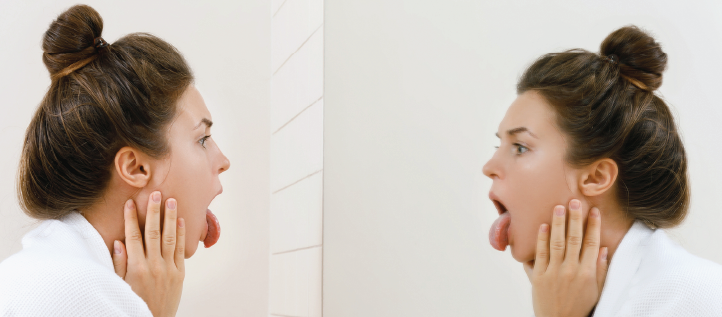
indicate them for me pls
(652, 276)
(65, 269)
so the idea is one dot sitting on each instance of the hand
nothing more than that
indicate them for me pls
(155, 272)
(567, 280)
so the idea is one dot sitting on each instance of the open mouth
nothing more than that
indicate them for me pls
(499, 206)
(499, 231)
(213, 228)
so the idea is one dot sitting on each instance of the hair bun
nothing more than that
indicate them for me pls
(641, 58)
(69, 39)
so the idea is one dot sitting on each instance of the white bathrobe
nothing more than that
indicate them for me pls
(650, 275)
(65, 269)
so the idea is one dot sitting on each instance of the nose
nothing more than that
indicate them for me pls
(491, 168)
(225, 163)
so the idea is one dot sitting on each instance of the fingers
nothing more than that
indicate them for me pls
(180, 246)
(602, 268)
(557, 242)
(576, 230)
(133, 237)
(152, 224)
(592, 238)
(120, 259)
(541, 261)
(169, 229)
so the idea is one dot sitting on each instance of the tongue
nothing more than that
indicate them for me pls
(214, 229)
(498, 234)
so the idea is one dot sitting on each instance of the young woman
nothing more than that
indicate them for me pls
(120, 124)
(588, 129)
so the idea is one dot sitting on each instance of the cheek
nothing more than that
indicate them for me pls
(189, 182)
(537, 187)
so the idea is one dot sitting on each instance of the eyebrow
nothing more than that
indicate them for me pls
(511, 132)
(208, 123)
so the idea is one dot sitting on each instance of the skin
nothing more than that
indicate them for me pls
(533, 181)
(569, 264)
(189, 173)
(153, 262)
(531, 176)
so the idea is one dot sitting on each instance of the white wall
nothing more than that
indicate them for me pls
(228, 46)
(296, 158)
(414, 91)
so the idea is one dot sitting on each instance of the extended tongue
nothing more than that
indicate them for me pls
(214, 229)
(499, 232)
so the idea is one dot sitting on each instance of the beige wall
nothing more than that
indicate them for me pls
(414, 91)
(228, 45)
(296, 158)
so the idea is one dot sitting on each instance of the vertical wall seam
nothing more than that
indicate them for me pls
(323, 151)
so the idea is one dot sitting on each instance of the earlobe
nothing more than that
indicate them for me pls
(132, 167)
(599, 177)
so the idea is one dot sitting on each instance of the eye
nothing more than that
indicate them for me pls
(520, 149)
(203, 140)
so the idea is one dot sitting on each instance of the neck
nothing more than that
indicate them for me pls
(614, 226)
(106, 216)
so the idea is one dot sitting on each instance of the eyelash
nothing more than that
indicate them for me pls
(202, 141)
(518, 147)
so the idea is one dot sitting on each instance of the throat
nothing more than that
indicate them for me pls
(106, 217)
(613, 230)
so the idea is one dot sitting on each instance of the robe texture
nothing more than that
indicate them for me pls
(65, 269)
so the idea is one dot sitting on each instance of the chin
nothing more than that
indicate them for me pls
(191, 250)
(521, 255)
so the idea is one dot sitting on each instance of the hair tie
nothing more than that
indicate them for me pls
(612, 58)
(99, 43)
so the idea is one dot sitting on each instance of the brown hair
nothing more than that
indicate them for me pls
(100, 99)
(606, 105)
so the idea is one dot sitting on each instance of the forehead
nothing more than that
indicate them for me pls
(191, 108)
(529, 110)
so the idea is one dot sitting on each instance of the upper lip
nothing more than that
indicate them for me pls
(500, 208)
(214, 197)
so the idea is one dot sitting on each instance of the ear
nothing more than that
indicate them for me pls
(133, 167)
(598, 177)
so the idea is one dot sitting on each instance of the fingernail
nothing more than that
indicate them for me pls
(575, 204)
(116, 247)
(170, 203)
(156, 196)
(559, 210)
(544, 228)
(605, 252)
(129, 204)
(594, 212)
(181, 223)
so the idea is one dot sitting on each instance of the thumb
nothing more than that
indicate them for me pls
(602, 268)
(529, 269)
(120, 258)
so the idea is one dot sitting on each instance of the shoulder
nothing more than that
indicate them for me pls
(676, 281)
(36, 285)
(40, 281)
